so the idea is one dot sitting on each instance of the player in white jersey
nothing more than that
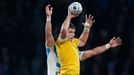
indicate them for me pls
(49, 43)
(52, 61)
(53, 64)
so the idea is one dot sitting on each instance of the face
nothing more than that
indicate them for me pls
(71, 34)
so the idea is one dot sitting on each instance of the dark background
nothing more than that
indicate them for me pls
(22, 22)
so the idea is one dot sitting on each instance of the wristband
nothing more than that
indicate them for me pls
(48, 18)
(107, 46)
(87, 27)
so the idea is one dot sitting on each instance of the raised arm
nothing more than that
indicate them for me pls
(48, 27)
(65, 25)
(114, 42)
(84, 36)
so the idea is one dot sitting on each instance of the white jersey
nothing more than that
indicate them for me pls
(53, 64)
(52, 61)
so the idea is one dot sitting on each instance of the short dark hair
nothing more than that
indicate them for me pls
(72, 26)
(56, 35)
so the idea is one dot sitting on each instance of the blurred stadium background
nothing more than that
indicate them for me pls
(22, 50)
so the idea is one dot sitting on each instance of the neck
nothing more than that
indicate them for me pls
(70, 40)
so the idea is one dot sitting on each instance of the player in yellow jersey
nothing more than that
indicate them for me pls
(52, 60)
(67, 45)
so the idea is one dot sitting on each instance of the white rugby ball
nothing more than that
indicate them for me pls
(75, 8)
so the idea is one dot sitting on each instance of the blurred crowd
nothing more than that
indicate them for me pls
(22, 48)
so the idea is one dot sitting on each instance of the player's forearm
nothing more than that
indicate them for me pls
(99, 50)
(48, 32)
(64, 27)
(48, 27)
(96, 51)
(83, 38)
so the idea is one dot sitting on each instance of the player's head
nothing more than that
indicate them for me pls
(71, 32)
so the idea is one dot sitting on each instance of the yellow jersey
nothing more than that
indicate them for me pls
(68, 56)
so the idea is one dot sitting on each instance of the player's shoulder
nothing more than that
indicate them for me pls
(60, 41)
(75, 40)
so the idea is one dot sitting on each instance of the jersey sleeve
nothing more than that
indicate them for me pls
(48, 49)
(80, 54)
(60, 41)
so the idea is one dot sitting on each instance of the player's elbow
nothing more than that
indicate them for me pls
(82, 59)
(81, 44)
(49, 43)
